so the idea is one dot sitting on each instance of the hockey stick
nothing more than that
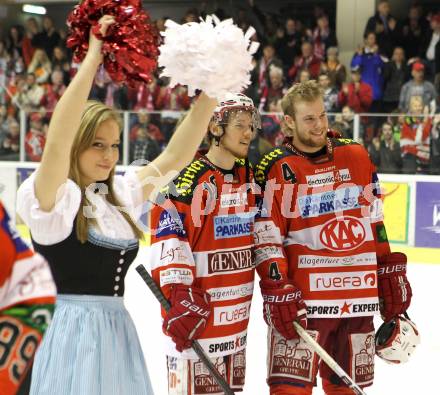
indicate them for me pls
(195, 344)
(332, 364)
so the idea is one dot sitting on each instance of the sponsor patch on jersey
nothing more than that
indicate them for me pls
(266, 232)
(173, 251)
(265, 163)
(343, 234)
(266, 253)
(342, 281)
(233, 199)
(328, 178)
(176, 275)
(329, 202)
(231, 292)
(228, 261)
(229, 343)
(342, 308)
(228, 315)
(228, 226)
(170, 224)
(187, 179)
(314, 261)
(362, 357)
(292, 359)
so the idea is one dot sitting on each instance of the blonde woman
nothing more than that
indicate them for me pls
(40, 66)
(87, 232)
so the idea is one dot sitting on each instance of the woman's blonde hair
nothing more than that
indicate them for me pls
(36, 61)
(92, 117)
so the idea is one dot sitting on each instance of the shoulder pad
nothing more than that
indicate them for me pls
(267, 161)
(183, 186)
(240, 162)
(341, 141)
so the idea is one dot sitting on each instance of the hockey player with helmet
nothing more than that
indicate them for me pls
(202, 254)
(322, 252)
(27, 296)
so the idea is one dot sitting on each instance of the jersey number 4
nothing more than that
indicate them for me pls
(288, 173)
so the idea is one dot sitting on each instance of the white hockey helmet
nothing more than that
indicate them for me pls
(234, 102)
(396, 340)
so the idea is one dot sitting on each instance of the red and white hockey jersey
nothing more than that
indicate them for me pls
(202, 235)
(27, 297)
(321, 226)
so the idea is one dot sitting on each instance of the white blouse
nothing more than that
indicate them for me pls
(52, 227)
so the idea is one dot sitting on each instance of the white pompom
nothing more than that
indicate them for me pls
(213, 56)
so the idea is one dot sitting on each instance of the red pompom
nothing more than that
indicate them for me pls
(130, 46)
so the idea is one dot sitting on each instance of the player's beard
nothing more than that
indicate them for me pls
(239, 154)
(313, 142)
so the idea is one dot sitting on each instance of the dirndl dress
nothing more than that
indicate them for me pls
(91, 346)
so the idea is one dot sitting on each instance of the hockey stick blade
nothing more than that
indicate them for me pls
(332, 364)
(195, 344)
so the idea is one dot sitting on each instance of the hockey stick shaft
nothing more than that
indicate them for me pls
(332, 364)
(195, 344)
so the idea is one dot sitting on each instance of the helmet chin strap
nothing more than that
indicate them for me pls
(218, 138)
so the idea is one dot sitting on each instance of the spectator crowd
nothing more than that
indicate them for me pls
(395, 71)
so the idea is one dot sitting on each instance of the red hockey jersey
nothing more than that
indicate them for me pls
(321, 226)
(27, 297)
(202, 235)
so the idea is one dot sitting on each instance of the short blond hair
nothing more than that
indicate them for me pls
(307, 91)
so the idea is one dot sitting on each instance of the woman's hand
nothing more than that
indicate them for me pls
(95, 44)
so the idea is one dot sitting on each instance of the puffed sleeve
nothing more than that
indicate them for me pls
(48, 227)
(128, 190)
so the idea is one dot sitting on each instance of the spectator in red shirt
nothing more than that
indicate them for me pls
(143, 121)
(175, 99)
(357, 95)
(144, 96)
(323, 37)
(263, 67)
(275, 90)
(35, 139)
(307, 61)
(32, 29)
(53, 91)
(415, 138)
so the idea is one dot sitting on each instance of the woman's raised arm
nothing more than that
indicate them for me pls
(55, 163)
(181, 149)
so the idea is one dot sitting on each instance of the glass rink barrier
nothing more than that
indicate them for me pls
(397, 143)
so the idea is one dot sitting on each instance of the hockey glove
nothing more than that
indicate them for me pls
(187, 317)
(393, 286)
(283, 304)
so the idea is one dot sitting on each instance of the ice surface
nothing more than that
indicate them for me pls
(418, 376)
